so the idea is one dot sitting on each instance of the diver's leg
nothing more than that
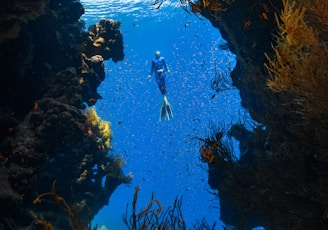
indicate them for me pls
(160, 80)
(166, 111)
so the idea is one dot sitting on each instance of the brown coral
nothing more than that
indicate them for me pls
(207, 153)
(105, 39)
(98, 42)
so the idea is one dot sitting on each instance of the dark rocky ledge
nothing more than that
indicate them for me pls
(55, 168)
(280, 180)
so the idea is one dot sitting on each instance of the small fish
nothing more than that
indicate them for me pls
(36, 106)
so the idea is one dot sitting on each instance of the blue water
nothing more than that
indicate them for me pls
(163, 156)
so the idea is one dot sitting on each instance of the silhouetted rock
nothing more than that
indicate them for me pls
(279, 182)
(53, 159)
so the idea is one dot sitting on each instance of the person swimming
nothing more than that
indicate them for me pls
(160, 69)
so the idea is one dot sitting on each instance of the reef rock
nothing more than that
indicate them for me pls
(53, 159)
(279, 181)
(105, 39)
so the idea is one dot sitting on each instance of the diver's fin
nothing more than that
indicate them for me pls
(166, 111)
(169, 111)
(163, 112)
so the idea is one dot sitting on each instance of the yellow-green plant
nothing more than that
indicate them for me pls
(104, 127)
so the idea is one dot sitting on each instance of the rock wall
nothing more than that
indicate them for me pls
(55, 170)
(279, 182)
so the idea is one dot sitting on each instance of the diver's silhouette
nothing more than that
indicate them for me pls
(160, 69)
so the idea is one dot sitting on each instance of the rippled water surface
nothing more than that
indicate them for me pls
(113, 8)
(163, 156)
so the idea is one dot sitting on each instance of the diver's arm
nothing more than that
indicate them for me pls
(165, 66)
(151, 70)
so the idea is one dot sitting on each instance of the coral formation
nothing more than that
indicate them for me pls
(207, 153)
(74, 212)
(279, 180)
(300, 57)
(103, 128)
(44, 135)
(213, 147)
(105, 39)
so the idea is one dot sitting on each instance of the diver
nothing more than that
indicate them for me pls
(160, 69)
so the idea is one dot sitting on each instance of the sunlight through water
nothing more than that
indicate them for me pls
(111, 8)
(163, 156)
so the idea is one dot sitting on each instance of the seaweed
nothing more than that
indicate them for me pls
(39, 220)
(221, 80)
(157, 217)
(203, 225)
(74, 212)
